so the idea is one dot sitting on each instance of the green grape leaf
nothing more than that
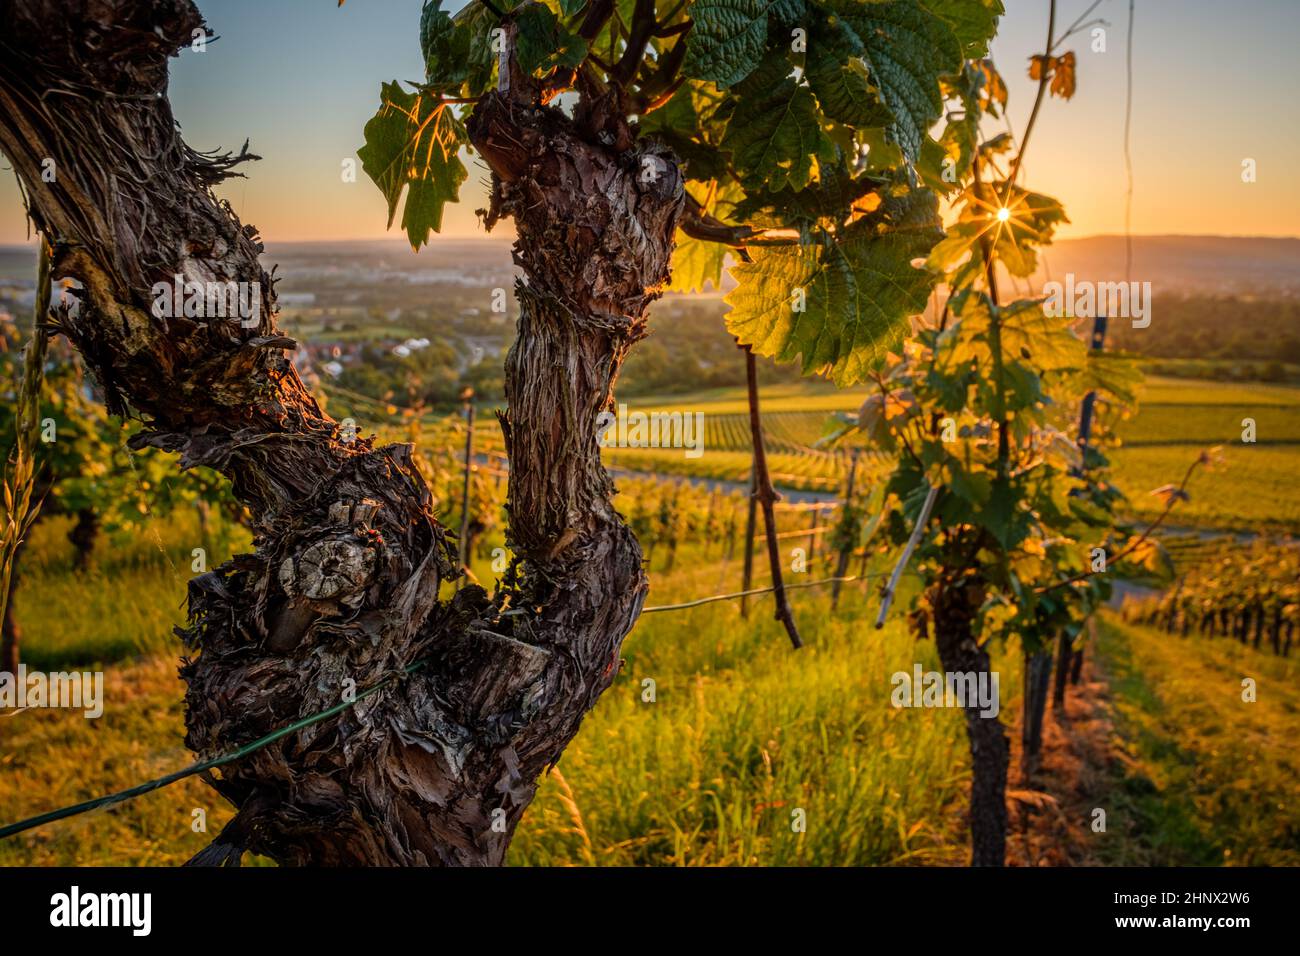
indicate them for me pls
(839, 77)
(442, 67)
(774, 134)
(729, 37)
(973, 21)
(1114, 373)
(960, 137)
(882, 155)
(843, 89)
(690, 123)
(542, 43)
(1046, 342)
(960, 240)
(937, 167)
(1033, 221)
(468, 52)
(829, 202)
(696, 263)
(1034, 346)
(842, 305)
(413, 142)
(969, 484)
(1001, 515)
(907, 49)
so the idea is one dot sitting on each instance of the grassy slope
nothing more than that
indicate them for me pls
(125, 603)
(1253, 487)
(53, 758)
(743, 730)
(1210, 779)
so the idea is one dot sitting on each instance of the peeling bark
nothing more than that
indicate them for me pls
(342, 588)
(954, 600)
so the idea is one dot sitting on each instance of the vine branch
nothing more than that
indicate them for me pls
(1174, 497)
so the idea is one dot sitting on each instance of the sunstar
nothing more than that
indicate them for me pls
(102, 909)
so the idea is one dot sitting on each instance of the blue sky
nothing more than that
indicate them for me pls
(1213, 84)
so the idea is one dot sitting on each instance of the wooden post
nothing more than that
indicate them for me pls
(747, 581)
(767, 498)
(1073, 656)
(466, 397)
(1063, 654)
(1090, 400)
(846, 552)
(1037, 675)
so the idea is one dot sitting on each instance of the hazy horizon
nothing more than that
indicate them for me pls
(499, 236)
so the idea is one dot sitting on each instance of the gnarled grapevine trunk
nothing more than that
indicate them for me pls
(954, 600)
(342, 590)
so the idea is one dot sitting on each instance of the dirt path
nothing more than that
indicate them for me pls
(1050, 817)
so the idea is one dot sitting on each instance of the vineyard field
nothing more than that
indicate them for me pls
(716, 745)
(705, 775)
(1252, 487)
(1209, 779)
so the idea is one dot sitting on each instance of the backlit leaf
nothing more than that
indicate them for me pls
(842, 305)
(774, 134)
(907, 49)
(412, 143)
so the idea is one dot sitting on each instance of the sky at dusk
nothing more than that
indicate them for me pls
(1213, 84)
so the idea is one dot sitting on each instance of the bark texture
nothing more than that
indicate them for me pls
(954, 600)
(1037, 676)
(342, 588)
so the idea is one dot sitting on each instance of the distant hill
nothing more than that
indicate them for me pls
(1267, 268)
(1183, 265)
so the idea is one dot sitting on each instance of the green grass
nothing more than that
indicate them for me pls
(1254, 488)
(126, 601)
(1203, 423)
(1177, 391)
(800, 471)
(1211, 779)
(789, 397)
(53, 758)
(743, 731)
